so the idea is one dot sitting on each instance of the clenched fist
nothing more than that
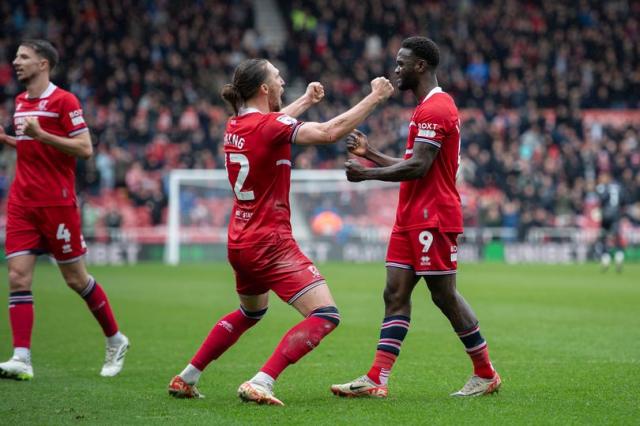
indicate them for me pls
(355, 171)
(357, 143)
(29, 127)
(315, 92)
(382, 87)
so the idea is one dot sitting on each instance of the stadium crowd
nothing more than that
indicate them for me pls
(526, 73)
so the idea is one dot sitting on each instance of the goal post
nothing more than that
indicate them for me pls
(327, 214)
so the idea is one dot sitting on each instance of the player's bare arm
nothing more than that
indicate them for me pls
(77, 146)
(358, 144)
(6, 139)
(412, 168)
(313, 95)
(331, 131)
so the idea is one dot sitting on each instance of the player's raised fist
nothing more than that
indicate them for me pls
(382, 87)
(315, 92)
(357, 143)
(30, 127)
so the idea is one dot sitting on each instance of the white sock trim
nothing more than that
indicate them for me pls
(23, 354)
(116, 339)
(190, 374)
(264, 378)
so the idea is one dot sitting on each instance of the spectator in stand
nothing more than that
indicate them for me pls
(525, 71)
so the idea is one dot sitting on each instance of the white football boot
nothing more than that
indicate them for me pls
(259, 393)
(16, 369)
(114, 358)
(362, 386)
(477, 386)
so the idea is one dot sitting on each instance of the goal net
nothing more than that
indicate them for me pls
(332, 219)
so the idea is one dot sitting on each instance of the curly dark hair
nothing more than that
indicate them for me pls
(423, 48)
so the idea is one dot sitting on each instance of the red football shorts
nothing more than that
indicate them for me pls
(426, 251)
(37, 230)
(280, 267)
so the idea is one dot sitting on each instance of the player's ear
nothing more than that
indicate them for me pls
(421, 65)
(264, 87)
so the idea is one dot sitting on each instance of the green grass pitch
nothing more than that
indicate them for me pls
(566, 340)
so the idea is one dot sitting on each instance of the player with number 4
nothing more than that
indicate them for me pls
(42, 211)
(428, 221)
(261, 248)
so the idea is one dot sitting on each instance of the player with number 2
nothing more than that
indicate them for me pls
(261, 248)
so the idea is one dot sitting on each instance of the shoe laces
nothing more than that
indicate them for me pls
(22, 360)
(472, 383)
(112, 352)
(268, 387)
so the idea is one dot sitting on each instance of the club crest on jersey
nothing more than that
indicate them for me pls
(42, 106)
(425, 260)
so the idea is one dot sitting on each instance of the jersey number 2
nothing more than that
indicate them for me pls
(242, 176)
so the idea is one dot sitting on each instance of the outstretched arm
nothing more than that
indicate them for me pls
(412, 168)
(331, 131)
(6, 139)
(313, 95)
(77, 146)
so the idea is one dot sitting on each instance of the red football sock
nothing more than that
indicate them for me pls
(223, 335)
(476, 347)
(21, 318)
(298, 341)
(481, 363)
(99, 306)
(382, 364)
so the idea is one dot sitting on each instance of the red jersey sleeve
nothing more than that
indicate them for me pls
(433, 127)
(281, 128)
(71, 116)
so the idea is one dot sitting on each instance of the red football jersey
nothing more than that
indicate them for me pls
(46, 176)
(257, 151)
(433, 201)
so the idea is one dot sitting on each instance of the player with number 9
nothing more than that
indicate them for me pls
(42, 211)
(423, 242)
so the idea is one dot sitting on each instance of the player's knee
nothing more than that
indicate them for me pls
(394, 299)
(329, 313)
(444, 298)
(76, 282)
(254, 315)
(19, 280)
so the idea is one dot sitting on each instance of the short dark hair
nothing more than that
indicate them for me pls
(44, 49)
(423, 48)
(247, 78)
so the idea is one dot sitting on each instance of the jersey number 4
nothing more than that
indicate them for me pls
(63, 233)
(242, 176)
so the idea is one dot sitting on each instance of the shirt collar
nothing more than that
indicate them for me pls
(47, 92)
(244, 111)
(433, 91)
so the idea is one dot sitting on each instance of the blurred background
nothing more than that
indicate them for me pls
(549, 93)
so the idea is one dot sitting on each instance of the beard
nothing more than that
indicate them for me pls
(275, 103)
(25, 78)
(406, 83)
